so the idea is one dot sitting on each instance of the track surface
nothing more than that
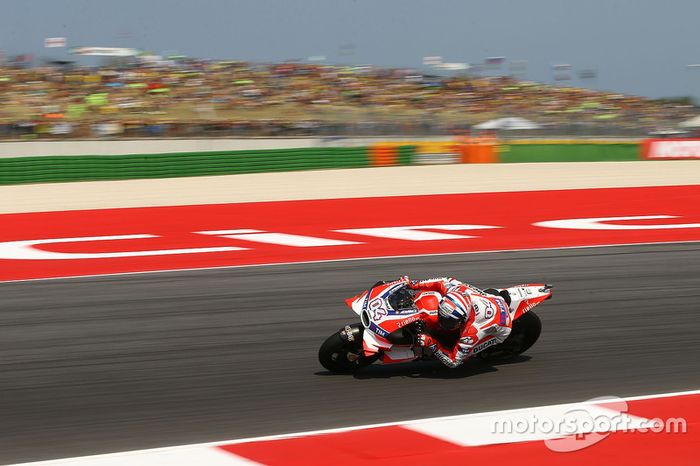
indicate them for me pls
(94, 365)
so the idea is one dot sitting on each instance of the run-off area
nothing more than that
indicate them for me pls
(95, 242)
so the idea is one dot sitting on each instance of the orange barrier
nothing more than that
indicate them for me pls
(481, 149)
(383, 155)
(478, 150)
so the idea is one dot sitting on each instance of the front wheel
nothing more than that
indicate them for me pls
(341, 356)
(526, 331)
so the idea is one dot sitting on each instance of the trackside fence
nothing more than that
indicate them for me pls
(48, 169)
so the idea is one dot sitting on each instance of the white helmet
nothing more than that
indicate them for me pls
(453, 310)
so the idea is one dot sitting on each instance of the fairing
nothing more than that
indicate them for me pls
(379, 319)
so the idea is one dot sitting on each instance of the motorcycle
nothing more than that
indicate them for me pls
(392, 314)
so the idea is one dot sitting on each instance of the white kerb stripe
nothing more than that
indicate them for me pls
(176, 456)
(495, 428)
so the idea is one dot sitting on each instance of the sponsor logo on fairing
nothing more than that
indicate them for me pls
(376, 329)
(501, 304)
(407, 321)
(504, 313)
(529, 307)
(445, 359)
(484, 345)
(489, 310)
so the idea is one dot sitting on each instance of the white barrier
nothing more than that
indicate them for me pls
(163, 146)
(147, 146)
(672, 149)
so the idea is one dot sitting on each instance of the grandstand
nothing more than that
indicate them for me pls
(189, 97)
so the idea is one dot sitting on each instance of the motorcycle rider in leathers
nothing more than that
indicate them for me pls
(481, 318)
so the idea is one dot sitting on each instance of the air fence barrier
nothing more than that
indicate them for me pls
(526, 151)
(47, 169)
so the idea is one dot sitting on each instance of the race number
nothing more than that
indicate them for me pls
(377, 308)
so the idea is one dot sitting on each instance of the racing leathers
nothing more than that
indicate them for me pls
(487, 324)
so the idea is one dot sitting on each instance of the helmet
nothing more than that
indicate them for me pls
(453, 310)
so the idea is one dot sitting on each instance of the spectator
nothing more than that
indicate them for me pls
(232, 98)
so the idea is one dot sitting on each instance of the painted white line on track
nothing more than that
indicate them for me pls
(175, 451)
(185, 456)
(274, 264)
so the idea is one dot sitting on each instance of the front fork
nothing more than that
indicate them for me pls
(352, 335)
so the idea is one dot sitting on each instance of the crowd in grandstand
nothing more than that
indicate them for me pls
(195, 97)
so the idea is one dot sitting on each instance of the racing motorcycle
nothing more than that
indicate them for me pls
(391, 319)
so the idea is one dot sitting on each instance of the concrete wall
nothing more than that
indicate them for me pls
(147, 146)
(161, 146)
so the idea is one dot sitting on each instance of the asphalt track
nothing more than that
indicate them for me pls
(95, 365)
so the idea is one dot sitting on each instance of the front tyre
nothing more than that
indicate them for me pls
(341, 356)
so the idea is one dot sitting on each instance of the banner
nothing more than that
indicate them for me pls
(105, 51)
(670, 149)
(561, 72)
(51, 42)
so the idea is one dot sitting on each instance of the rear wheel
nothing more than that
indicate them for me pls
(526, 331)
(341, 356)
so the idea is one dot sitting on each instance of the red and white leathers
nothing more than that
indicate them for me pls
(488, 323)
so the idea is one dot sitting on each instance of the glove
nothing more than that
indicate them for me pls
(424, 340)
(419, 326)
(465, 345)
(405, 279)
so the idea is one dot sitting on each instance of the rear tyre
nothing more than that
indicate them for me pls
(526, 331)
(342, 357)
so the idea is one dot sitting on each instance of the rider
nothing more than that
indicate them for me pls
(481, 318)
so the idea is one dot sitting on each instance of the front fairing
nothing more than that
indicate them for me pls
(379, 318)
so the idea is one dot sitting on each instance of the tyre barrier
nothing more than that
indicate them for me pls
(118, 167)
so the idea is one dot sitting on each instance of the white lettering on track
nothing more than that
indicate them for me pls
(416, 232)
(26, 250)
(601, 223)
(281, 239)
